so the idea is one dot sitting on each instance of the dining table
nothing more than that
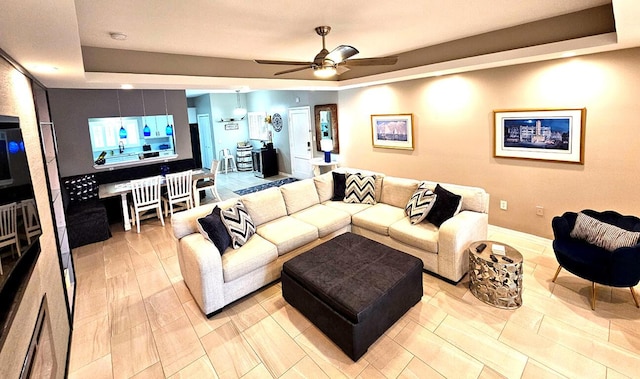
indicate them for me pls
(122, 188)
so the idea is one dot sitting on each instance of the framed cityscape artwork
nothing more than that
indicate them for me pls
(392, 131)
(546, 134)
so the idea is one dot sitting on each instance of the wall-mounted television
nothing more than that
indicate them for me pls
(19, 235)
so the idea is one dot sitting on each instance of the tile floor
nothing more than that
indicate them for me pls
(134, 318)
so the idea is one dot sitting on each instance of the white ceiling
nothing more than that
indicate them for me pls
(36, 32)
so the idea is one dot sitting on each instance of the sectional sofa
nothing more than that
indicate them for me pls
(293, 218)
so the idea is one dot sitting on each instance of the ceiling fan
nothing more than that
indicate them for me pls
(325, 63)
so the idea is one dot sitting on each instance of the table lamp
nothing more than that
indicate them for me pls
(326, 145)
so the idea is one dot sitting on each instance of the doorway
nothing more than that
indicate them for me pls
(300, 137)
(206, 140)
(195, 145)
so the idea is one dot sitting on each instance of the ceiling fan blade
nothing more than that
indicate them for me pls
(292, 70)
(384, 61)
(290, 63)
(341, 53)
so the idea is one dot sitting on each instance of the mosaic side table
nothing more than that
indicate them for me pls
(496, 283)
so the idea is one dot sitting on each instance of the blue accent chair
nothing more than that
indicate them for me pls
(618, 268)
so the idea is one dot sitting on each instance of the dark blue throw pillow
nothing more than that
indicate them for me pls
(446, 206)
(339, 186)
(213, 229)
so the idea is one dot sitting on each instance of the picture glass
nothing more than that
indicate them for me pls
(554, 135)
(392, 131)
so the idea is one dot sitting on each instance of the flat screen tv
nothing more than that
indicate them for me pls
(19, 221)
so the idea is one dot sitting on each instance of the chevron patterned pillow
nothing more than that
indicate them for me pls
(238, 223)
(420, 204)
(360, 189)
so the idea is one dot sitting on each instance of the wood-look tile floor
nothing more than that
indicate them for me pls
(135, 318)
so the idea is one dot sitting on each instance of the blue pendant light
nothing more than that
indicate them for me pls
(13, 147)
(146, 130)
(123, 131)
(169, 129)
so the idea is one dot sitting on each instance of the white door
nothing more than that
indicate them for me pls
(206, 140)
(300, 142)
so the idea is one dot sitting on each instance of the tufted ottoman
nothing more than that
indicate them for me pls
(353, 289)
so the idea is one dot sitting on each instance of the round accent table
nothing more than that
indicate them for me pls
(316, 163)
(496, 283)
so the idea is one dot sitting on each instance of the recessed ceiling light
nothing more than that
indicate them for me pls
(118, 36)
(126, 86)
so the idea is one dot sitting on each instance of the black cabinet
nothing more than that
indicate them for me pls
(265, 162)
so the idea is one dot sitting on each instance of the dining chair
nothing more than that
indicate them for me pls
(207, 183)
(179, 190)
(30, 219)
(146, 197)
(8, 228)
(227, 160)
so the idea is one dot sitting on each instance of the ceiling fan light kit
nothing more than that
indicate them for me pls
(325, 63)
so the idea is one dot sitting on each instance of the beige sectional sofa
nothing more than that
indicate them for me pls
(295, 217)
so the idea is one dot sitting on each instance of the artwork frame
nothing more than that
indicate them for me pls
(555, 135)
(231, 126)
(402, 122)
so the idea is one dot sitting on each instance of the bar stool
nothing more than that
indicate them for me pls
(227, 160)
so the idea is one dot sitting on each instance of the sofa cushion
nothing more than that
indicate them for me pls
(299, 195)
(324, 186)
(378, 218)
(360, 189)
(397, 191)
(238, 223)
(266, 205)
(256, 253)
(446, 206)
(420, 204)
(288, 233)
(213, 229)
(473, 198)
(422, 236)
(351, 208)
(339, 185)
(601, 234)
(326, 219)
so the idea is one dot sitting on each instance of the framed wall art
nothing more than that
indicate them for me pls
(545, 134)
(231, 126)
(392, 131)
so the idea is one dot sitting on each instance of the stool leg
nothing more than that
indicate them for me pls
(556, 275)
(593, 295)
(635, 298)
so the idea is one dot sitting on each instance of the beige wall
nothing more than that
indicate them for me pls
(16, 100)
(453, 127)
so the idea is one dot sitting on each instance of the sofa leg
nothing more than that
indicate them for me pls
(635, 298)
(557, 272)
(593, 296)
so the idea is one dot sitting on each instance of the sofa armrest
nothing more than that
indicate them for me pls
(562, 225)
(201, 268)
(455, 236)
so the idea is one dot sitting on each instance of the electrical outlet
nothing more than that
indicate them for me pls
(540, 210)
(503, 205)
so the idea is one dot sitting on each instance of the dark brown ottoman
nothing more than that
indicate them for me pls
(353, 289)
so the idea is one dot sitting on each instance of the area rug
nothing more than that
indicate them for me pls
(260, 187)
